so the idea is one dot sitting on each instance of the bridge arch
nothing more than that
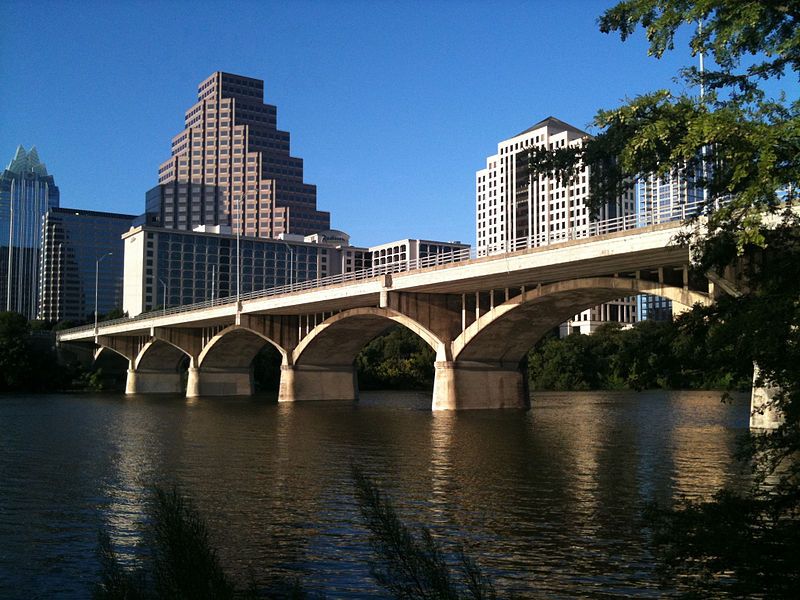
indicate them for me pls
(160, 355)
(225, 362)
(322, 366)
(236, 346)
(505, 334)
(339, 339)
(110, 366)
(103, 354)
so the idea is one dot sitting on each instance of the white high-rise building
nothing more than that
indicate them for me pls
(516, 211)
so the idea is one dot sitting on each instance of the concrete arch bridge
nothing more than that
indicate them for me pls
(480, 316)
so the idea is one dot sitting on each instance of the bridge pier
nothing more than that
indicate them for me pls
(141, 381)
(219, 382)
(763, 416)
(307, 382)
(471, 385)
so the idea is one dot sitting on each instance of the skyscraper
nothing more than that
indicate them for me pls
(661, 198)
(516, 211)
(26, 193)
(73, 241)
(231, 166)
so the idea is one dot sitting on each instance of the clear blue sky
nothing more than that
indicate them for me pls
(393, 106)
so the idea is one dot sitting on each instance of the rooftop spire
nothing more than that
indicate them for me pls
(27, 162)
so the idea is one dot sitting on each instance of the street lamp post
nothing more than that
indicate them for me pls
(96, 284)
(161, 281)
(291, 264)
(238, 255)
(59, 281)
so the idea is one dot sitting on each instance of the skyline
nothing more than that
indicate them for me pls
(393, 108)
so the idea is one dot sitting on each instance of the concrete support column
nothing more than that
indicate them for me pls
(462, 386)
(308, 382)
(762, 414)
(219, 382)
(193, 383)
(140, 381)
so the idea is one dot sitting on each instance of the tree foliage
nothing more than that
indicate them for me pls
(743, 148)
(398, 359)
(649, 355)
(27, 360)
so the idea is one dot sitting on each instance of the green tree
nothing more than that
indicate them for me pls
(28, 362)
(746, 146)
(15, 355)
(398, 359)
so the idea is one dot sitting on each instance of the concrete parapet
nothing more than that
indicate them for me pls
(763, 415)
(153, 382)
(463, 386)
(219, 382)
(306, 382)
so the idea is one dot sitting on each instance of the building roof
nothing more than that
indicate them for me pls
(78, 212)
(555, 124)
(27, 162)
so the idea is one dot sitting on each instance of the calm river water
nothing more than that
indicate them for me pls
(548, 500)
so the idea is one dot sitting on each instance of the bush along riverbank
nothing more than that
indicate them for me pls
(648, 355)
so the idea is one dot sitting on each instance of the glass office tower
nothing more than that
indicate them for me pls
(73, 240)
(26, 194)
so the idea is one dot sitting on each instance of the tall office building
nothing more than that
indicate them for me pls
(231, 166)
(516, 211)
(668, 197)
(73, 241)
(26, 193)
(661, 198)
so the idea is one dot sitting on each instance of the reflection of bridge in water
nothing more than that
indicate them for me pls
(480, 315)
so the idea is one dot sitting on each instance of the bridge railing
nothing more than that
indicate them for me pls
(665, 214)
(308, 284)
(593, 228)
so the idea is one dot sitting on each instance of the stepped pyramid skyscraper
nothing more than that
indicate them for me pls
(231, 166)
(26, 194)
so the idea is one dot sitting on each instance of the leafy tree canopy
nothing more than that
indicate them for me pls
(743, 148)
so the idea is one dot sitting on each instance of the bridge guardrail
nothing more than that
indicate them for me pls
(591, 229)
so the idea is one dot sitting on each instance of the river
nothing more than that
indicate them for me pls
(548, 500)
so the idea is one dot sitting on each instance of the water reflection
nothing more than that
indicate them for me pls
(548, 499)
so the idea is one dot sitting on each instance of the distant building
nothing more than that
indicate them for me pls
(231, 166)
(516, 211)
(72, 242)
(168, 267)
(27, 192)
(659, 199)
(409, 252)
(668, 197)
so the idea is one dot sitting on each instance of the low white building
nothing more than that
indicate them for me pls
(172, 267)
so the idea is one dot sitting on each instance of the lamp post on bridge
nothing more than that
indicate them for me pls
(238, 250)
(161, 281)
(290, 263)
(96, 284)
